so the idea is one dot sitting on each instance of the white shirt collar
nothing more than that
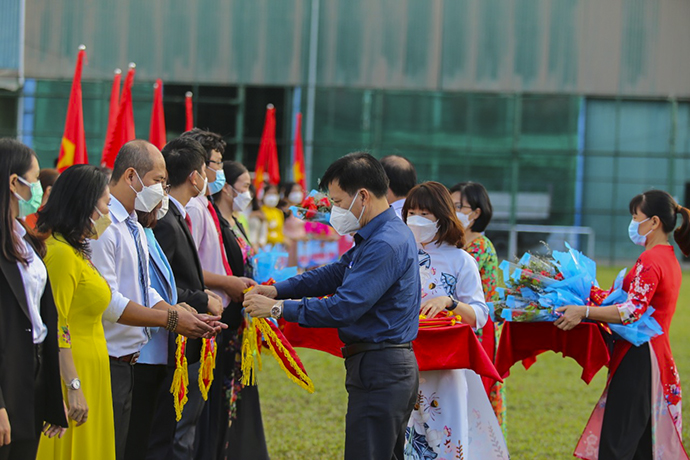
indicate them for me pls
(118, 210)
(180, 208)
(19, 229)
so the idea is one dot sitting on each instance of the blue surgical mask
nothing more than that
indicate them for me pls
(217, 185)
(634, 233)
(31, 205)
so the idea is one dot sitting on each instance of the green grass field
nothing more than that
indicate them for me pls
(548, 405)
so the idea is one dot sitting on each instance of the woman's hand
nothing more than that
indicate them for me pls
(78, 409)
(51, 430)
(5, 428)
(433, 307)
(572, 316)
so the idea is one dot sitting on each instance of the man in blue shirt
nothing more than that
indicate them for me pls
(375, 299)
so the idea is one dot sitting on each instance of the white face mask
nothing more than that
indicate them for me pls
(271, 200)
(296, 197)
(464, 220)
(242, 200)
(343, 221)
(423, 229)
(202, 192)
(163, 210)
(149, 196)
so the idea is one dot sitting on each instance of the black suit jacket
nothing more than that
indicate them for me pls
(176, 241)
(232, 315)
(18, 381)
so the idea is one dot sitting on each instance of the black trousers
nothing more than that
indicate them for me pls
(23, 449)
(151, 383)
(626, 432)
(122, 383)
(382, 389)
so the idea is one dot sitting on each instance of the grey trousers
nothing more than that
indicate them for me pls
(382, 389)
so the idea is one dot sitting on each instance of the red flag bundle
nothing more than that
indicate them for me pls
(189, 113)
(73, 147)
(123, 130)
(157, 129)
(298, 174)
(114, 106)
(267, 160)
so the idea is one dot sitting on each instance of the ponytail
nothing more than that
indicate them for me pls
(682, 233)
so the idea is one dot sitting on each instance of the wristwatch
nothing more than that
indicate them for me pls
(75, 384)
(277, 310)
(453, 304)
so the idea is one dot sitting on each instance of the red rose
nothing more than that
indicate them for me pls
(311, 213)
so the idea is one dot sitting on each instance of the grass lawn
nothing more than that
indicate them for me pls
(548, 405)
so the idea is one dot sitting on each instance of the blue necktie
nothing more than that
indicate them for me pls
(143, 269)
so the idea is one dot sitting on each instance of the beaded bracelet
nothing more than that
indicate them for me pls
(173, 318)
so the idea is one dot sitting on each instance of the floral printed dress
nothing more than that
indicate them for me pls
(453, 418)
(654, 281)
(484, 253)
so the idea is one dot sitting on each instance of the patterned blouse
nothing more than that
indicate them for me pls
(484, 253)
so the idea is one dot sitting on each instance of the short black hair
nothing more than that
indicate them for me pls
(401, 174)
(134, 154)
(208, 140)
(70, 206)
(477, 197)
(355, 171)
(182, 156)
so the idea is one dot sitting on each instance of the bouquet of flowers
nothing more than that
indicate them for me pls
(537, 285)
(316, 207)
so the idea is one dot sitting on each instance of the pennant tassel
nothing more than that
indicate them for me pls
(209, 350)
(180, 377)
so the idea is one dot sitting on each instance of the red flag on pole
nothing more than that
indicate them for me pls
(73, 147)
(157, 128)
(124, 123)
(114, 105)
(298, 174)
(189, 119)
(267, 159)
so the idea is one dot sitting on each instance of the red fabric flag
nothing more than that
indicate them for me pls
(298, 174)
(189, 119)
(157, 129)
(267, 159)
(123, 131)
(114, 105)
(73, 147)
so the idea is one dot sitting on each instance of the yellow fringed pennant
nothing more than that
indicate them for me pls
(250, 349)
(280, 351)
(180, 377)
(209, 349)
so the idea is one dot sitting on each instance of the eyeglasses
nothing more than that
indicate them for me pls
(459, 207)
(219, 163)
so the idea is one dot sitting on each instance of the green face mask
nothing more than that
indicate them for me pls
(31, 205)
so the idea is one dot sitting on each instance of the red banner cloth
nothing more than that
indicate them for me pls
(437, 348)
(524, 341)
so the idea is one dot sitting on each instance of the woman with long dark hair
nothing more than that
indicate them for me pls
(76, 211)
(453, 414)
(639, 414)
(30, 396)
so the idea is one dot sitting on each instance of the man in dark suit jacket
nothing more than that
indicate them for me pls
(184, 159)
(30, 389)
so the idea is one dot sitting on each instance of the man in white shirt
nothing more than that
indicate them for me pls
(121, 256)
(401, 178)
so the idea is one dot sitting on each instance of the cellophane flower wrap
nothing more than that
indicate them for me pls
(271, 263)
(316, 207)
(537, 285)
(638, 332)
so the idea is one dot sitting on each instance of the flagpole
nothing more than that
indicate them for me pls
(311, 88)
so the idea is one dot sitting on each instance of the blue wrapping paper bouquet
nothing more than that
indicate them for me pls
(537, 285)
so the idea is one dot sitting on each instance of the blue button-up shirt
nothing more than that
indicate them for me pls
(375, 286)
